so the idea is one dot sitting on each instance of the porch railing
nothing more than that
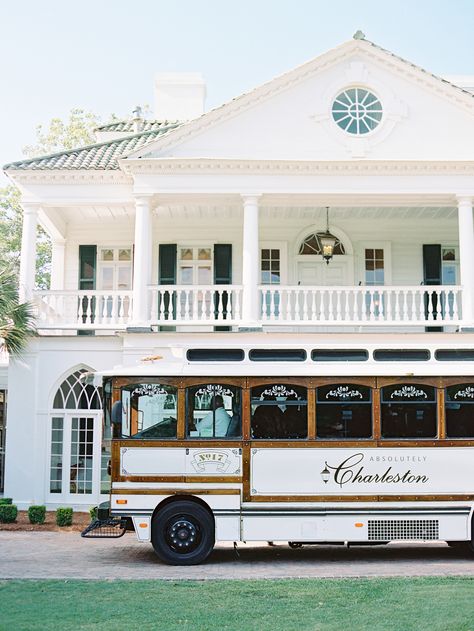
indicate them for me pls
(375, 305)
(83, 309)
(221, 305)
(196, 304)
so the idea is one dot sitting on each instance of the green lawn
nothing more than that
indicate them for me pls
(442, 604)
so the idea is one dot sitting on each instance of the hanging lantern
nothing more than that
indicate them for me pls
(327, 240)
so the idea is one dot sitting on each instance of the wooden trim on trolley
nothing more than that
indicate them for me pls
(189, 479)
(246, 471)
(376, 414)
(175, 491)
(358, 498)
(312, 420)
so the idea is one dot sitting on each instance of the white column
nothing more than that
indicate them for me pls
(250, 262)
(58, 251)
(142, 260)
(466, 258)
(28, 252)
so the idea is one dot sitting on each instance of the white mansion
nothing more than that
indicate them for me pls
(317, 207)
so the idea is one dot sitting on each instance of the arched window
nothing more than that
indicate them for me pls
(78, 462)
(279, 410)
(408, 410)
(312, 244)
(459, 406)
(344, 410)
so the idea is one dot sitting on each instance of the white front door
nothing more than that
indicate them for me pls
(319, 273)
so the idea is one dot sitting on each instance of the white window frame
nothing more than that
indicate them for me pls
(66, 496)
(275, 245)
(115, 264)
(455, 262)
(386, 246)
(194, 263)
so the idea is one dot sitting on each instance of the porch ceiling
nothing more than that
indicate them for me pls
(79, 214)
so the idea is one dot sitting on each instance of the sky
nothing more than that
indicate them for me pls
(101, 55)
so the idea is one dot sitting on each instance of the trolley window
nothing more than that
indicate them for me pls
(147, 410)
(279, 411)
(409, 411)
(339, 355)
(459, 405)
(402, 355)
(214, 410)
(455, 354)
(344, 410)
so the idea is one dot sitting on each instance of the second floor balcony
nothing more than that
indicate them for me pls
(261, 265)
(276, 306)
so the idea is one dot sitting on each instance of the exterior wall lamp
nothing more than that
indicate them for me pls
(327, 240)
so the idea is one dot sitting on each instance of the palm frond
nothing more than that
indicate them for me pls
(16, 319)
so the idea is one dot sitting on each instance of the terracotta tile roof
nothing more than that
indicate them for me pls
(100, 156)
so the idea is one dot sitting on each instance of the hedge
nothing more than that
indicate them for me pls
(64, 516)
(37, 514)
(8, 513)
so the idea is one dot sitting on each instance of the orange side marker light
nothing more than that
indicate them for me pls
(143, 525)
(121, 501)
(359, 524)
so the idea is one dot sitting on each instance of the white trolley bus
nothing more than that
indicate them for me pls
(295, 439)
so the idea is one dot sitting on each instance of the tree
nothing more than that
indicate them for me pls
(58, 135)
(10, 238)
(16, 320)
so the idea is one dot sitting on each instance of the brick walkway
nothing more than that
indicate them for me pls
(66, 555)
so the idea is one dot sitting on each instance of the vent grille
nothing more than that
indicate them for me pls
(390, 529)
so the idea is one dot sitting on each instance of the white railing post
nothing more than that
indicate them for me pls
(466, 258)
(141, 260)
(28, 252)
(250, 263)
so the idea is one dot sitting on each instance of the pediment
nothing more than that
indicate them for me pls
(292, 118)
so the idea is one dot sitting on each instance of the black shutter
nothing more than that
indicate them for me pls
(87, 278)
(167, 276)
(87, 266)
(222, 276)
(432, 276)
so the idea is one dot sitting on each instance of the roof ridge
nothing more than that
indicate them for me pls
(147, 121)
(94, 145)
(418, 67)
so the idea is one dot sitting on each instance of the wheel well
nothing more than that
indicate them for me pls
(177, 498)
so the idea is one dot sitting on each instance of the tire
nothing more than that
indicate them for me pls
(183, 533)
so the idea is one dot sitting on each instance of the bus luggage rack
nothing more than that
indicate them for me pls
(105, 529)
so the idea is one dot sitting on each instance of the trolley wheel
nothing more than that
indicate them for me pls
(183, 533)
(295, 544)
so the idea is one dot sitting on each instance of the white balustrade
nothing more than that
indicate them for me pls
(196, 304)
(83, 309)
(216, 305)
(369, 305)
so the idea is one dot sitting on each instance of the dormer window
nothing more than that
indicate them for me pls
(357, 111)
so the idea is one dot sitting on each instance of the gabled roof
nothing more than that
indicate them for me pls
(156, 135)
(275, 85)
(99, 156)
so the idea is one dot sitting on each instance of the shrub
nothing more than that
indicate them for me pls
(64, 516)
(93, 513)
(5, 500)
(37, 514)
(8, 513)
